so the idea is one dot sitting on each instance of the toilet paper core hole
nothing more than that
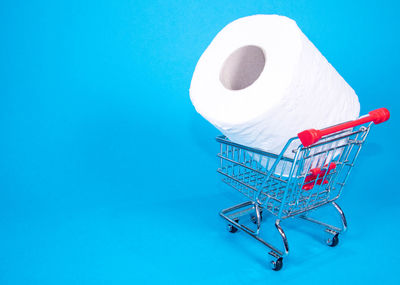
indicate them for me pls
(242, 67)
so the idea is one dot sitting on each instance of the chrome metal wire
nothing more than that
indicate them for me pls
(279, 182)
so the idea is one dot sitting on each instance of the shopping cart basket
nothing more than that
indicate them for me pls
(296, 181)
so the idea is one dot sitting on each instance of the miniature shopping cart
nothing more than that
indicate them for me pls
(310, 172)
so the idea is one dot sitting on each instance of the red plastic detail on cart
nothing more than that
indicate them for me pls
(380, 115)
(308, 185)
(322, 173)
(311, 136)
(317, 174)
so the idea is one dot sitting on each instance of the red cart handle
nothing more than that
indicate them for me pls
(311, 136)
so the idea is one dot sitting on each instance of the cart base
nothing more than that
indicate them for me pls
(233, 215)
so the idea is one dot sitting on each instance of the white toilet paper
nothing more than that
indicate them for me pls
(261, 81)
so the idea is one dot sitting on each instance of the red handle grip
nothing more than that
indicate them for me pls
(311, 136)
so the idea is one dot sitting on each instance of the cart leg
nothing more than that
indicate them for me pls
(277, 263)
(328, 226)
(283, 235)
(330, 229)
(342, 216)
(257, 217)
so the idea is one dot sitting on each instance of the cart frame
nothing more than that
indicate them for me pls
(310, 172)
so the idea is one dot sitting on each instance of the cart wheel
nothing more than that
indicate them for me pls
(277, 264)
(332, 242)
(232, 229)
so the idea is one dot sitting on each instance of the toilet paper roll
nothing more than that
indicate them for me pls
(261, 81)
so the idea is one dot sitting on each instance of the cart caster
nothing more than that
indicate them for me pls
(232, 228)
(332, 242)
(277, 264)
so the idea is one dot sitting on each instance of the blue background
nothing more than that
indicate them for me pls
(107, 173)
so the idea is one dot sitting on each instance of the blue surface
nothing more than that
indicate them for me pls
(107, 174)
